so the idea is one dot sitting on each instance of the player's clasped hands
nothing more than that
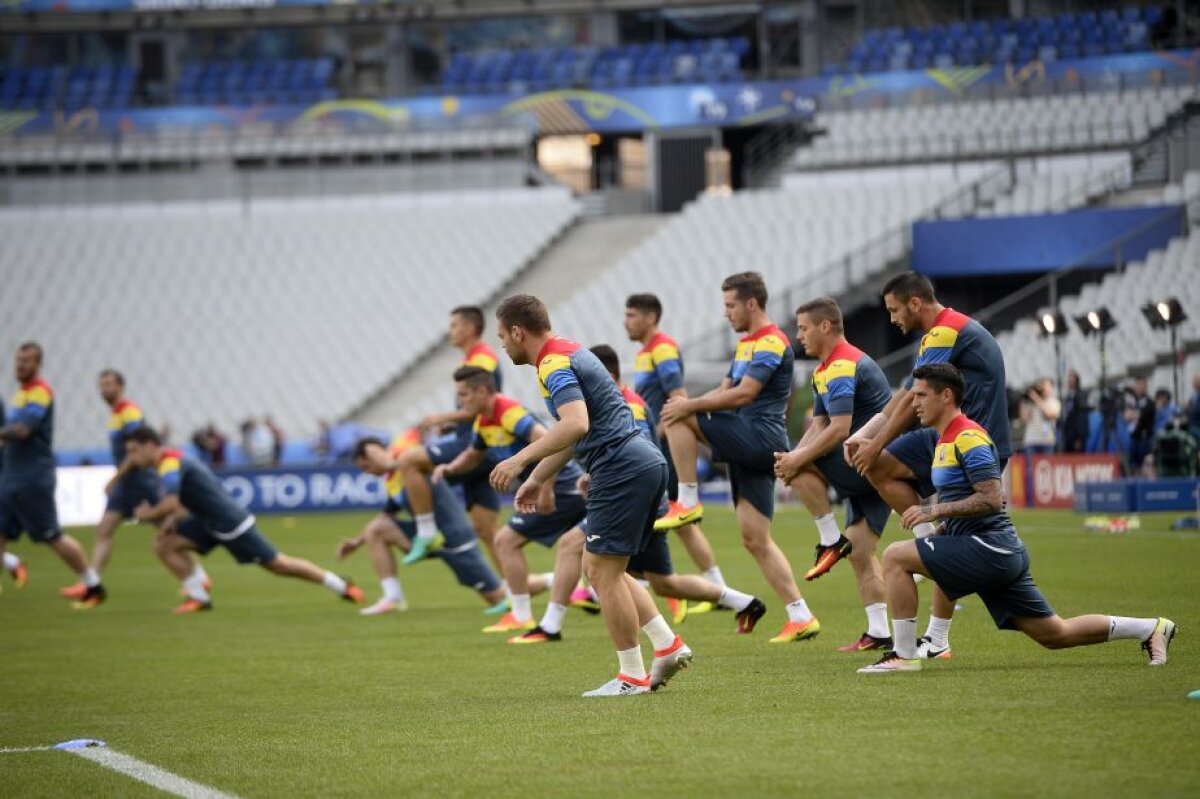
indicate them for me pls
(676, 410)
(785, 466)
(864, 455)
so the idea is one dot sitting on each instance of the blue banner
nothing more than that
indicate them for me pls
(302, 489)
(963, 247)
(631, 109)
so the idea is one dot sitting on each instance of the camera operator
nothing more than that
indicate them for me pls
(1140, 413)
(1040, 412)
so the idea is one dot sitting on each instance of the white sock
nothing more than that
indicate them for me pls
(904, 632)
(689, 494)
(798, 611)
(924, 530)
(392, 591)
(549, 578)
(714, 575)
(521, 609)
(877, 620)
(938, 632)
(552, 619)
(426, 527)
(827, 526)
(631, 662)
(659, 632)
(734, 600)
(90, 577)
(11, 561)
(644, 583)
(194, 586)
(334, 583)
(1126, 627)
(198, 571)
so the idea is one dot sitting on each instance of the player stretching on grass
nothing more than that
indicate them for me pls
(848, 389)
(897, 462)
(28, 479)
(628, 480)
(195, 514)
(743, 421)
(658, 376)
(393, 527)
(976, 550)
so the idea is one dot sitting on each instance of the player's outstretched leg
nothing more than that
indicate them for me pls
(71, 553)
(288, 566)
(1055, 632)
(16, 569)
(381, 536)
(568, 564)
(749, 609)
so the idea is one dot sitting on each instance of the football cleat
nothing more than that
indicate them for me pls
(75, 592)
(867, 643)
(353, 593)
(678, 608)
(748, 616)
(679, 515)
(20, 575)
(498, 609)
(669, 662)
(1159, 642)
(535, 636)
(927, 651)
(384, 606)
(423, 548)
(510, 624)
(91, 598)
(190, 605)
(586, 600)
(891, 663)
(183, 592)
(699, 608)
(827, 557)
(621, 685)
(798, 631)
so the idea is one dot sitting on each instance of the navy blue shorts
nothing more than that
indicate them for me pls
(862, 501)
(654, 559)
(248, 547)
(29, 508)
(995, 566)
(461, 555)
(476, 488)
(135, 489)
(569, 511)
(749, 451)
(620, 516)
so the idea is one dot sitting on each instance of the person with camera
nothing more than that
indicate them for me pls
(1040, 411)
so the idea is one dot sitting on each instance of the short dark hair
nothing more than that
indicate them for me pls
(360, 446)
(144, 435)
(115, 375)
(907, 285)
(647, 303)
(475, 377)
(823, 309)
(32, 345)
(524, 310)
(608, 357)
(472, 314)
(748, 286)
(942, 376)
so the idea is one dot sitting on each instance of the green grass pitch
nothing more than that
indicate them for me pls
(285, 691)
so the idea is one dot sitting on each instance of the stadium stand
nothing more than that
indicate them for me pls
(241, 295)
(990, 128)
(1002, 41)
(302, 80)
(50, 88)
(516, 71)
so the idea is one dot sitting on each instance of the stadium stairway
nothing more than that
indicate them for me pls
(579, 254)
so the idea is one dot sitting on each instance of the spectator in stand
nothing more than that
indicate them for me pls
(257, 444)
(1073, 419)
(323, 444)
(211, 445)
(1140, 415)
(277, 439)
(1164, 409)
(1040, 410)
(1193, 408)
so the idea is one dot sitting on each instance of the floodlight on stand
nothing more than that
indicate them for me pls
(1098, 321)
(1169, 314)
(1053, 323)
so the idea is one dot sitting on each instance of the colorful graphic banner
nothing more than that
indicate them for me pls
(1049, 481)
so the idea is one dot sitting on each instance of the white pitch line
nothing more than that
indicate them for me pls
(149, 774)
(21, 749)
